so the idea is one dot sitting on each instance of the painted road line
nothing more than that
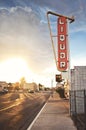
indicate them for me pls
(17, 100)
(29, 128)
(3, 109)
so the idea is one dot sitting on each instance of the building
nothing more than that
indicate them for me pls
(78, 78)
(3, 85)
(78, 85)
(31, 86)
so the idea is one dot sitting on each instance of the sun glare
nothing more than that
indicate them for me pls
(13, 69)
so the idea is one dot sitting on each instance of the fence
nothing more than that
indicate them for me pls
(78, 108)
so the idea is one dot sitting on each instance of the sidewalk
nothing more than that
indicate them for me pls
(54, 116)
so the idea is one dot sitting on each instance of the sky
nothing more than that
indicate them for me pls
(25, 45)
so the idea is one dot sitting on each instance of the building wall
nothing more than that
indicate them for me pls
(31, 86)
(78, 84)
(78, 78)
(3, 84)
(1, 88)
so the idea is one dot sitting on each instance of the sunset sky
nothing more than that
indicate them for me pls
(25, 46)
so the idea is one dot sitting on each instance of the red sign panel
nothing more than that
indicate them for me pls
(62, 44)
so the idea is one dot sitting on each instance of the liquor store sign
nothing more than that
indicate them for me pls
(62, 44)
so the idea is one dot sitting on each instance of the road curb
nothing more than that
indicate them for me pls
(30, 126)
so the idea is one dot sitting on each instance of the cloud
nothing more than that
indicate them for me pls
(40, 7)
(23, 35)
(24, 31)
(78, 61)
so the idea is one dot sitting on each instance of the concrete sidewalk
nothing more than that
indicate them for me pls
(54, 116)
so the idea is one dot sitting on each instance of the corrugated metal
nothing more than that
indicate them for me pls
(78, 85)
(78, 78)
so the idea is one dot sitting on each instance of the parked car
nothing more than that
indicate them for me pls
(30, 91)
(4, 91)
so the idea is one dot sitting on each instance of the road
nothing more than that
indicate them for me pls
(17, 110)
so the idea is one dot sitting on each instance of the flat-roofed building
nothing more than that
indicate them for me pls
(78, 78)
(78, 89)
(31, 86)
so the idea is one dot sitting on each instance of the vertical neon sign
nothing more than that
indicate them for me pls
(62, 44)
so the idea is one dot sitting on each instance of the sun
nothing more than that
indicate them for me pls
(11, 70)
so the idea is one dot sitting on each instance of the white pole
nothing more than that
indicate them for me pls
(69, 72)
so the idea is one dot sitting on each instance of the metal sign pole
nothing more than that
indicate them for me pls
(68, 55)
(68, 18)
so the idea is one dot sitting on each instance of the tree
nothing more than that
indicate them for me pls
(22, 82)
(41, 87)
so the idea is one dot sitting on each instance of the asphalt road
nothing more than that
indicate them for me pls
(17, 110)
